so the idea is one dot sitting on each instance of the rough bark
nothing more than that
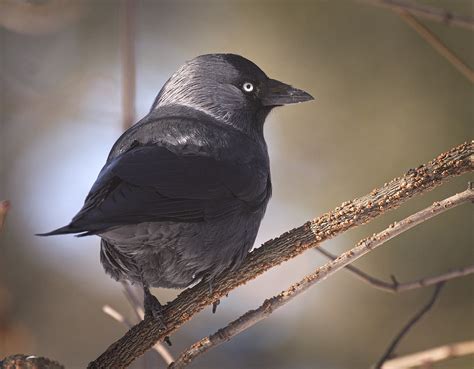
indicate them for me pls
(289, 245)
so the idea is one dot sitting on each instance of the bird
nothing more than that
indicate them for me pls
(183, 191)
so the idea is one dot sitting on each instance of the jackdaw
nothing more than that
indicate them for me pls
(183, 191)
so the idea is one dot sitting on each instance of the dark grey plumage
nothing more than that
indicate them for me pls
(183, 191)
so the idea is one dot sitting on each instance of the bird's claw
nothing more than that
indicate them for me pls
(154, 309)
(215, 304)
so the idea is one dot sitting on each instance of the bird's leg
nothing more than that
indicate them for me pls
(210, 287)
(215, 303)
(214, 306)
(150, 303)
(152, 306)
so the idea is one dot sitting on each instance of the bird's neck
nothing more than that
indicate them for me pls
(249, 123)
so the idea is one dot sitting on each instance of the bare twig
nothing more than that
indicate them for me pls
(137, 309)
(363, 247)
(127, 28)
(408, 10)
(410, 324)
(427, 12)
(133, 300)
(431, 356)
(274, 252)
(114, 314)
(438, 45)
(4, 207)
(158, 347)
(395, 286)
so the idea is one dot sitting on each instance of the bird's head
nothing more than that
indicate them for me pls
(230, 88)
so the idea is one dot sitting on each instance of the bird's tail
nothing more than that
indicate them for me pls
(66, 230)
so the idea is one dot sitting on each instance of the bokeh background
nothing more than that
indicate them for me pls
(385, 102)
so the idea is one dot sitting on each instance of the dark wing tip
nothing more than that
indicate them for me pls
(63, 230)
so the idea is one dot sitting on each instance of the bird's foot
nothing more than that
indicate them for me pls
(153, 308)
(215, 304)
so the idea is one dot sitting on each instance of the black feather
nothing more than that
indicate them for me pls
(63, 230)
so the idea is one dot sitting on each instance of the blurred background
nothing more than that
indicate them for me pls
(385, 102)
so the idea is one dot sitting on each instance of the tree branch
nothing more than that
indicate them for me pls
(427, 12)
(431, 356)
(363, 247)
(410, 324)
(274, 252)
(438, 45)
(133, 300)
(158, 347)
(395, 286)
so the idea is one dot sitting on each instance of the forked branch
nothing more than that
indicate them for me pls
(274, 252)
(438, 45)
(408, 326)
(363, 247)
(395, 286)
(427, 12)
(158, 347)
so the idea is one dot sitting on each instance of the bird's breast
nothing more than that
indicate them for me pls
(173, 255)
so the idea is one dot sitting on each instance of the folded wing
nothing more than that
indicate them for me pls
(151, 183)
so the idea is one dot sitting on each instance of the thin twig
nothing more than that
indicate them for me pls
(363, 247)
(158, 347)
(395, 286)
(427, 12)
(114, 314)
(4, 207)
(127, 30)
(137, 308)
(438, 45)
(431, 356)
(410, 324)
(133, 300)
(289, 245)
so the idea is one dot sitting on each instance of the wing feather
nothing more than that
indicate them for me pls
(151, 183)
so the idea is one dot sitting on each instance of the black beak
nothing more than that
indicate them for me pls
(279, 93)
